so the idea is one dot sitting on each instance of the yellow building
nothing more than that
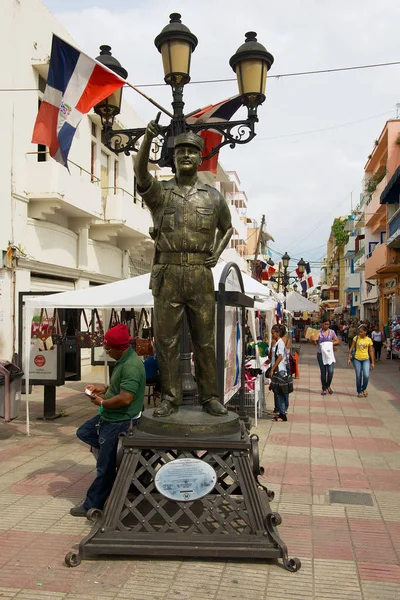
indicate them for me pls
(332, 289)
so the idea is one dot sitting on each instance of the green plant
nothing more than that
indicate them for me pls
(341, 236)
(375, 180)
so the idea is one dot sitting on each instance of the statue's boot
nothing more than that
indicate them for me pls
(165, 409)
(215, 408)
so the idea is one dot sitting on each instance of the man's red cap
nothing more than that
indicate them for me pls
(118, 337)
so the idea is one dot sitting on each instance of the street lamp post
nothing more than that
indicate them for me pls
(176, 43)
(285, 262)
(285, 277)
(136, 530)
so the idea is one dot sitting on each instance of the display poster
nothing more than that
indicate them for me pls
(233, 341)
(43, 362)
(46, 366)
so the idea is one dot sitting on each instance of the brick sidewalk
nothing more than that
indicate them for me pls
(337, 442)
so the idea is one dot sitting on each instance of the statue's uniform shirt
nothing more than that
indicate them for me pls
(186, 220)
(188, 217)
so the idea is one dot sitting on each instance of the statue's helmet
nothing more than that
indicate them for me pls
(189, 139)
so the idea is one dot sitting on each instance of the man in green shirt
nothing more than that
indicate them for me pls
(119, 405)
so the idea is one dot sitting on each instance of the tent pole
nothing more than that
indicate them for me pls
(27, 320)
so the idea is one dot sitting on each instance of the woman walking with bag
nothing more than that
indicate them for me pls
(363, 359)
(325, 341)
(279, 374)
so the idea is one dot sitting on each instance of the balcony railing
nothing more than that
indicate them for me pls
(394, 224)
(359, 254)
(75, 167)
(122, 192)
(138, 267)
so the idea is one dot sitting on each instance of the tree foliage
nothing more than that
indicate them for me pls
(341, 236)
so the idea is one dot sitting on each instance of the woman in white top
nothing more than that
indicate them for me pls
(377, 339)
(279, 363)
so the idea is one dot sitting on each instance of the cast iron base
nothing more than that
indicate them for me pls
(233, 521)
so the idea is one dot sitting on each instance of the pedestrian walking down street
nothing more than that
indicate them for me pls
(279, 364)
(326, 340)
(363, 359)
(351, 332)
(120, 405)
(377, 339)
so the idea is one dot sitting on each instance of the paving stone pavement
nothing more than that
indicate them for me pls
(337, 442)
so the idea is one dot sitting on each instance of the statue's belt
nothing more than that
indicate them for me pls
(181, 258)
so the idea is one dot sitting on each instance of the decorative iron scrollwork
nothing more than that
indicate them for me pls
(128, 140)
(94, 515)
(272, 521)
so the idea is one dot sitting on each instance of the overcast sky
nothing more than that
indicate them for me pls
(298, 179)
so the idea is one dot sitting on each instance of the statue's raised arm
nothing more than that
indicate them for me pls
(143, 176)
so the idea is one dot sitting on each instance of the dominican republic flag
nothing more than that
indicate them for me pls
(214, 113)
(306, 279)
(75, 84)
(308, 276)
(303, 284)
(268, 273)
(307, 282)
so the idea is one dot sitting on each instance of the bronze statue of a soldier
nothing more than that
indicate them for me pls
(192, 225)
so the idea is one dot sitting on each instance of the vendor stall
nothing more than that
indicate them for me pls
(305, 314)
(127, 293)
(392, 343)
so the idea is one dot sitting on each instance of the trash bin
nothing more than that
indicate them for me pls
(10, 389)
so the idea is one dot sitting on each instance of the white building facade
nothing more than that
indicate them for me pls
(67, 230)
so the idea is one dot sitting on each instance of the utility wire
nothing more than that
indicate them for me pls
(285, 135)
(280, 76)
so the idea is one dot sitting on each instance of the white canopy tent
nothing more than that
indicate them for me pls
(126, 293)
(296, 302)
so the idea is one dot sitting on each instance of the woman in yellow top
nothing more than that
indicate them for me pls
(363, 359)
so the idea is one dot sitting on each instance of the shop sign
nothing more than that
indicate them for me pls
(390, 285)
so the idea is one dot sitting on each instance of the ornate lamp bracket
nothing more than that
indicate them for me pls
(128, 140)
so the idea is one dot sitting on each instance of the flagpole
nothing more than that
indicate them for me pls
(164, 110)
(103, 66)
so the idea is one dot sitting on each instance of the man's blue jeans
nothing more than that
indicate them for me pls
(361, 368)
(102, 435)
(326, 372)
(281, 403)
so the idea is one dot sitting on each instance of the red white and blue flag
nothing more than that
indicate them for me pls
(307, 282)
(75, 84)
(268, 273)
(214, 113)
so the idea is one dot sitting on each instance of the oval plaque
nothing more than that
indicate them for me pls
(185, 479)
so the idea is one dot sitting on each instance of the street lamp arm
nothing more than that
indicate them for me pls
(233, 132)
(128, 140)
